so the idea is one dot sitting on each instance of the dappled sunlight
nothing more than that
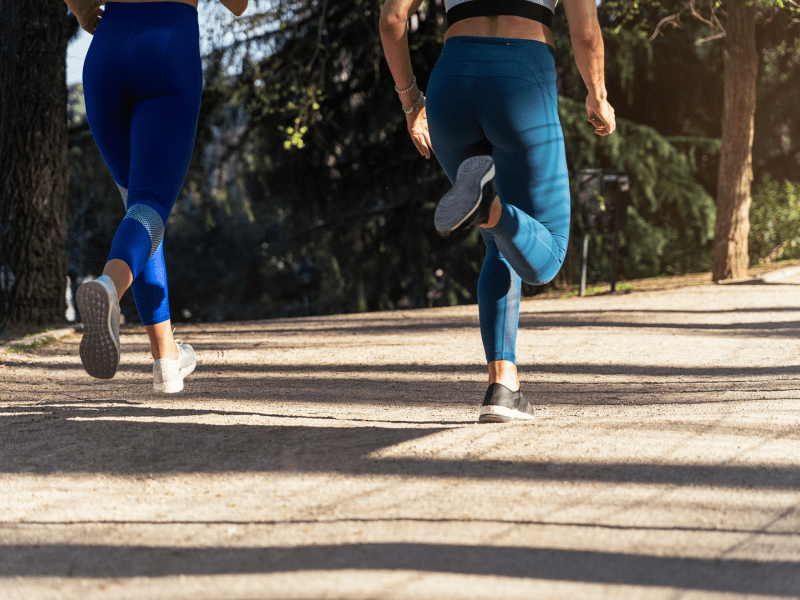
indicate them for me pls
(342, 453)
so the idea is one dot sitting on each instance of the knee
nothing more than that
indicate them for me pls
(545, 275)
(147, 216)
(549, 269)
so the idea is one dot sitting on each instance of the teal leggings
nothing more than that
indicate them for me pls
(497, 96)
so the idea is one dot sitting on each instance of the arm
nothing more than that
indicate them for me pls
(88, 13)
(587, 45)
(237, 7)
(394, 36)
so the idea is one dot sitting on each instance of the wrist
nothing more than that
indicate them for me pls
(409, 98)
(418, 103)
(598, 94)
(407, 88)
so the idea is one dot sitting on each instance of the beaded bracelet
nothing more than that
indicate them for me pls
(411, 87)
(414, 106)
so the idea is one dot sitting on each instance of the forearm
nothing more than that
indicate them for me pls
(394, 37)
(587, 45)
(590, 59)
(237, 7)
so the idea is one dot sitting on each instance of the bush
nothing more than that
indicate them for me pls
(775, 222)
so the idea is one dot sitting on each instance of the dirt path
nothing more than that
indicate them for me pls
(338, 457)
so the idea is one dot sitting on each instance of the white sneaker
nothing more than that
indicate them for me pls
(168, 374)
(99, 307)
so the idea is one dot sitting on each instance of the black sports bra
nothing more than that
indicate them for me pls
(536, 10)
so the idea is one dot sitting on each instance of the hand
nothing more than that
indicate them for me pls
(88, 14)
(237, 7)
(601, 116)
(417, 122)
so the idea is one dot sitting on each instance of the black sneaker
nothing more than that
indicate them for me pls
(469, 200)
(501, 405)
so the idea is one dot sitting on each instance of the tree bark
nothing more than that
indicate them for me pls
(34, 170)
(740, 70)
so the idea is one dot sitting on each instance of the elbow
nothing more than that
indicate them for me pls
(589, 39)
(392, 25)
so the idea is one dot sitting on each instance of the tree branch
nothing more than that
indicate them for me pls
(712, 22)
(710, 38)
(674, 20)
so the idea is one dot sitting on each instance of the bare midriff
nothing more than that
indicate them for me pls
(189, 2)
(502, 26)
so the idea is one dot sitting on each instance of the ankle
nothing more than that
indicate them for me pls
(512, 383)
(505, 373)
(120, 274)
(165, 351)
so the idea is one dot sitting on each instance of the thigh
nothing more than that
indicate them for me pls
(108, 105)
(162, 138)
(521, 122)
(166, 82)
(453, 119)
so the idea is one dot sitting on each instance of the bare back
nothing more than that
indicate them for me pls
(504, 26)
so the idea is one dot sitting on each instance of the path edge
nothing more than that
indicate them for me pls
(56, 334)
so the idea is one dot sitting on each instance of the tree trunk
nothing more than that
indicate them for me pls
(33, 161)
(740, 64)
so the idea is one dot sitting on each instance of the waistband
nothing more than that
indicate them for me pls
(149, 12)
(487, 44)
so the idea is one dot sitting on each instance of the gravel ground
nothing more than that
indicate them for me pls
(339, 457)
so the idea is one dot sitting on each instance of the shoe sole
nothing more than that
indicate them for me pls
(176, 385)
(99, 348)
(501, 414)
(460, 203)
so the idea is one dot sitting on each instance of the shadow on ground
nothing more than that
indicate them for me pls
(83, 443)
(771, 577)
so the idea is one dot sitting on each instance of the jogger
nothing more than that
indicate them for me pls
(497, 97)
(142, 80)
(142, 83)
(491, 117)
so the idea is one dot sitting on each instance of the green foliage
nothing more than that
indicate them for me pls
(324, 161)
(671, 216)
(18, 347)
(775, 222)
(776, 143)
(680, 91)
(303, 159)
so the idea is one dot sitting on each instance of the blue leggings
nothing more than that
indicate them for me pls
(142, 80)
(497, 96)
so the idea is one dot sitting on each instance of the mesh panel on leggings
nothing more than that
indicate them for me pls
(124, 193)
(151, 221)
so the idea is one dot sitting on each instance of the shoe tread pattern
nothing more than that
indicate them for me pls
(464, 198)
(99, 349)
